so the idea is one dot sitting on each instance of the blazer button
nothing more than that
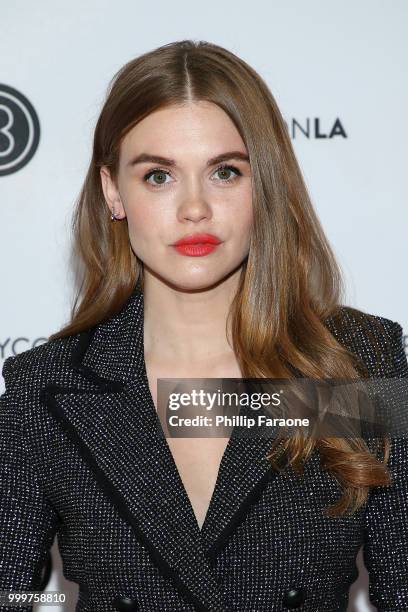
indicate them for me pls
(125, 604)
(293, 598)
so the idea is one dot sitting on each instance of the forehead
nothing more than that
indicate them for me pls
(194, 126)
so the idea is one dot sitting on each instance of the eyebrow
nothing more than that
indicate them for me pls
(164, 161)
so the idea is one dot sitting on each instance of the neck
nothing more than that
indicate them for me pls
(189, 327)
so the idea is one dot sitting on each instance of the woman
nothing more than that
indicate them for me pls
(190, 142)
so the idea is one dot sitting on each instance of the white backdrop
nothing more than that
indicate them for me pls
(328, 64)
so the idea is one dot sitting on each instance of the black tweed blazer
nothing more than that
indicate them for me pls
(81, 457)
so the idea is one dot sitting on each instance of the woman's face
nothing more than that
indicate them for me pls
(185, 192)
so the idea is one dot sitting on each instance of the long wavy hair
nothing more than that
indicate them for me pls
(289, 284)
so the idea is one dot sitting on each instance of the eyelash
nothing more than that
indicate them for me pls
(222, 167)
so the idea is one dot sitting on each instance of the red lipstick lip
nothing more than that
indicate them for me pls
(198, 239)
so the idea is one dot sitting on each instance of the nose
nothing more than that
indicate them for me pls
(194, 206)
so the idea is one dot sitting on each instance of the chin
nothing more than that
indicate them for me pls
(191, 284)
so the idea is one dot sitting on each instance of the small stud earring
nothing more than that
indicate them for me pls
(113, 216)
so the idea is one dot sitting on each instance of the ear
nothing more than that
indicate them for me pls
(111, 193)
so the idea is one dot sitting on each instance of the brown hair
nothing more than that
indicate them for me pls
(279, 310)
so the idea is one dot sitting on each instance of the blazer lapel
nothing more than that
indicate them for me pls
(118, 433)
(243, 474)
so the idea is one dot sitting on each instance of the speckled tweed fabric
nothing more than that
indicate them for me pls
(81, 456)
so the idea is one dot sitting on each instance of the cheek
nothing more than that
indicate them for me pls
(242, 205)
(240, 215)
(137, 217)
(243, 226)
(145, 220)
(248, 210)
(150, 232)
